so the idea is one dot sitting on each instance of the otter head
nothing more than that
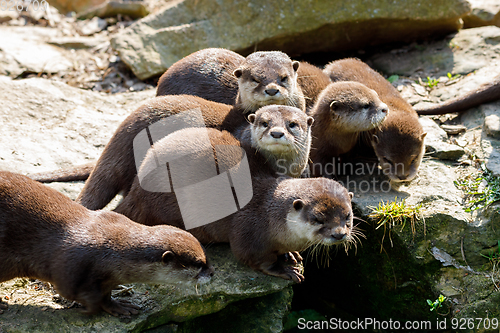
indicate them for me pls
(183, 259)
(280, 130)
(352, 106)
(268, 78)
(399, 146)
(321, 214)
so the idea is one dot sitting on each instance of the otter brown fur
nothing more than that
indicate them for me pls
(285, 215)
(342, 112)
(486, 93)
(399, 141)
(85, 254)
(116, 168)
(207, 73)
(312, 81)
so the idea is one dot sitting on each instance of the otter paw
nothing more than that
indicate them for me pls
(294, 273)
(293, 257)
(120, 307)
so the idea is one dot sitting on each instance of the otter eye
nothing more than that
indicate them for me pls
(255, 80)
(284, 79)
(366, 106)
(264, 124)
(292, 124)
(318, 221)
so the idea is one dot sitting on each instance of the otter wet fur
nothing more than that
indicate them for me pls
(342, 112)
(85, 254)
(486, 93)
(399, 141)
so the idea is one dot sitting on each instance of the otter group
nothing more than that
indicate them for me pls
(276, 117)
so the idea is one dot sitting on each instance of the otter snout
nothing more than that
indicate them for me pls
(205, 274)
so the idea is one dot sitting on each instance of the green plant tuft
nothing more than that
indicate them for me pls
(395, 214)
(481, 189)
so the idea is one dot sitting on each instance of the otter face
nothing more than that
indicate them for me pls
(399, 155)
(184, 259)
(325, 218)
(280, 130)
(267, 78)
(355, 107)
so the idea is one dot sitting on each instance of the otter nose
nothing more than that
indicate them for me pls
(402, 177)
(271, 92)
(277, 134)
(384, 108)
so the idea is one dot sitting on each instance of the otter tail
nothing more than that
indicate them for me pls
(486, 93)
(71, 174)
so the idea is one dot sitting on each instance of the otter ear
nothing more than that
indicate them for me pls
(298, 204)
(167, 257)
(238, 72)
(375, 139)
(310, 121)
(251, 118)
(333, 105)
(423, 136)
(295, 65)
(351, 195)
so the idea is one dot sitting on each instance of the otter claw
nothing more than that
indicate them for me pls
(121, 307)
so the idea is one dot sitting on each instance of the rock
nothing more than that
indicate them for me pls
(18, 46)
(467, 51)
(133, 10)
(297, 27)
(454, 129)
(48, 125)
(78, 42)
(6, 15)
(90, 27)
(436, 141)
(491, 153)
(484, 12)
(492, 126)
(160, 304)
(66, 6)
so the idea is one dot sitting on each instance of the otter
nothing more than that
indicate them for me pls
(85, 254)
(343, 111)
(207, 73)
(399, 141)
(71, 174)
(285, 215)
(486, 93)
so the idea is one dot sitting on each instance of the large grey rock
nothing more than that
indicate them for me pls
(484, 12)
(296, 27)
